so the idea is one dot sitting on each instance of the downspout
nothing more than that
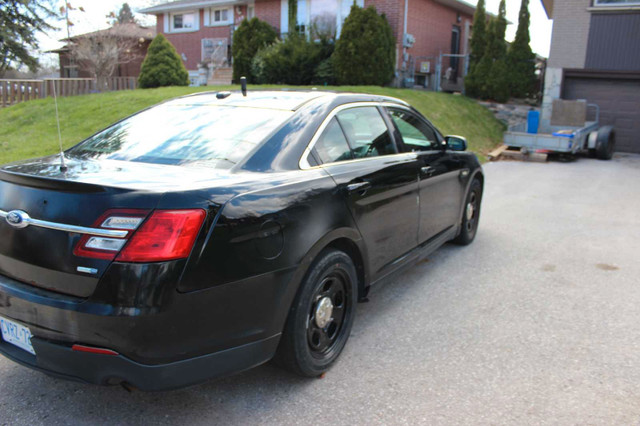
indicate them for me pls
(404, 48)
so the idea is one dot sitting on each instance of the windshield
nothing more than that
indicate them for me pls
(215, 136)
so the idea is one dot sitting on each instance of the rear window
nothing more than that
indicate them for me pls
(214, 136)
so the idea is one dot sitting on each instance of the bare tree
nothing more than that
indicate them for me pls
(100, 53)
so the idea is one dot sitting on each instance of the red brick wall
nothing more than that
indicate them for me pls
(269, 10)
(431, 24)
(190, 44)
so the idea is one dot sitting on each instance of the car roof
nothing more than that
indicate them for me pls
(289, 100)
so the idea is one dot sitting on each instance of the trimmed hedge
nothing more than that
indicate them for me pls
(162, 66)
(251, 36)
(294, 61)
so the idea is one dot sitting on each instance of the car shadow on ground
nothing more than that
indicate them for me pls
(262, 390)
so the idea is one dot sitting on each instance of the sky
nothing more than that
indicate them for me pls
(94, 18)
(539, 30)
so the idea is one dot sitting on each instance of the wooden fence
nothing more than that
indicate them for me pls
(16, 91)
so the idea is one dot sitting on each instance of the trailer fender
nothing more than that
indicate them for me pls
(592, 139)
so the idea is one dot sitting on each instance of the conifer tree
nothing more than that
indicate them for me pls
(473, 80)
(365, 53)
(479, 34)
(520, 58)
(162, 66)
(497, 82)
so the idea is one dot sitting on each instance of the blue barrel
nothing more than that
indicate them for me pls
(533, 121)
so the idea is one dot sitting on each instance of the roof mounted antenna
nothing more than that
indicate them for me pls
(63, 166)
(243, 85)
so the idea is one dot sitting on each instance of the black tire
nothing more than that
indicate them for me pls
(470, 219)
(606, 143)
(308, 347)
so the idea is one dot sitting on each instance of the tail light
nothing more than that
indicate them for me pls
(165, 235)
(108, 248)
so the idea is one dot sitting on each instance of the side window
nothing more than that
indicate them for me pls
(332, 145)
(366, 132)
(416, 135)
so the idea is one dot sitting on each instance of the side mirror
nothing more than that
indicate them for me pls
(456, 143)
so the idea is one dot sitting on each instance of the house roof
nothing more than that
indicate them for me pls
(548, 8)
(129, 30)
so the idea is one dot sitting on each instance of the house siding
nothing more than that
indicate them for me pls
(614, 42)
(571, 22)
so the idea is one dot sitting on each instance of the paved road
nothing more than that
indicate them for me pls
(537, 322)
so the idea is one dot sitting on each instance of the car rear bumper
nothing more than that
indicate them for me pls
(61, 361)
(183, 339)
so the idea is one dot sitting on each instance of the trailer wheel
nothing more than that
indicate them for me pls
(606, 142)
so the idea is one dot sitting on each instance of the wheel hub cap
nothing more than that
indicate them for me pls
(324, 310)
(470, 211)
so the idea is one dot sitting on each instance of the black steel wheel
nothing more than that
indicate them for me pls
(470, 215)
(321, 317)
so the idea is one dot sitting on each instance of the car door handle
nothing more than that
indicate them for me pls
(360, 187)
(427, 170)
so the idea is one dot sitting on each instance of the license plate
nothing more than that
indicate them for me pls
(16, 334)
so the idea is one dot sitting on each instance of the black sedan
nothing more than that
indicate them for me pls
(214, 232)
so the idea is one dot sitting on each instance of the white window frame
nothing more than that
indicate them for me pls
(304, 15)
(251, 6)
(211, 13)
(619, 4)
(169, 20)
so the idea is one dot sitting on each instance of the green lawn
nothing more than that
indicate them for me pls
(29, 130)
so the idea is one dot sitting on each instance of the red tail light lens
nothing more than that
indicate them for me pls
(166, 235)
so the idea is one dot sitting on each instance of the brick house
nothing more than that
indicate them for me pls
(423, 28)
(595, 55)
(133, 38)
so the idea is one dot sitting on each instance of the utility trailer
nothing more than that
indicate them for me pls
(598, 141)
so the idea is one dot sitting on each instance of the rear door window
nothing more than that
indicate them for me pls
(332, 146)
(366, 132)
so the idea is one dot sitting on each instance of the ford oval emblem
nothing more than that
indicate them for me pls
(17, 219)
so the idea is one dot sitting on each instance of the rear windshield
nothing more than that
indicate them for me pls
(213, 136)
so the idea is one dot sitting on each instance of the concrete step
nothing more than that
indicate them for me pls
(221, 76)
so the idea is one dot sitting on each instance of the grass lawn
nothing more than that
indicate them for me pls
(29, 130)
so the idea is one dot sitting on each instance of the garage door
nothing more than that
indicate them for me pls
(619, 101)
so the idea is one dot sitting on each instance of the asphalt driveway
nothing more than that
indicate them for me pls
(538, 321)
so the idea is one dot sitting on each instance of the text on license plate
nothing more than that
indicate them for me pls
(16, 334)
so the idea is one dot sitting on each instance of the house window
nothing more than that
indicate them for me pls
(184, 21)
(220, 16)
(251, 12)
(323, 18)
(617, 3)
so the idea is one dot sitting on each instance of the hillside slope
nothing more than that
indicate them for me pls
(29, 129)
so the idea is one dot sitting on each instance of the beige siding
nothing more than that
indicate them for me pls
(570, 33)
